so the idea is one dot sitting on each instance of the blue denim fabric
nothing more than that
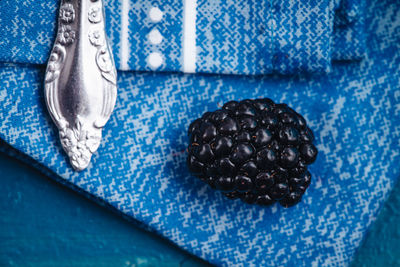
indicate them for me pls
(235, 37)
(349, 35)
(140, 166)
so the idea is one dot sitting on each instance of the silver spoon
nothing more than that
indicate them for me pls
(80, 80)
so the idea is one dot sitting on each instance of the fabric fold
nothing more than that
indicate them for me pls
(261, 37)
(231, 37)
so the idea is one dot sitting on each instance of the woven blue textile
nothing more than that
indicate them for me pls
(140, 166)
(236, 37)
(349, 31)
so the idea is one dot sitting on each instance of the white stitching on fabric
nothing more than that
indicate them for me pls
(189, 36)
(124, 47)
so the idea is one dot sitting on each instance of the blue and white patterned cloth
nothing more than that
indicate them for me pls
(232, 37)
(140, 169)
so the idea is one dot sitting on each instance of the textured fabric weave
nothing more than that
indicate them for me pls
(349, 38)
(236, 37)
(140, 166)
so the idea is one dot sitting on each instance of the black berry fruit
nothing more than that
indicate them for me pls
(254, 150)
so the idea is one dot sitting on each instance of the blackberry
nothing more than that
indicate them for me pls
(254, 150)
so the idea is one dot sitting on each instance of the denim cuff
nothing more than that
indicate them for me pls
(230, 37)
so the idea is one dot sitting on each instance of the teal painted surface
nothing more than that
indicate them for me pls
(43, 223)
(381, 246)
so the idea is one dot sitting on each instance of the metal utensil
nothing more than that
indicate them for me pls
(80, 80)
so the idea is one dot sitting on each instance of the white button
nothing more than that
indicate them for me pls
(155, 37)
(156, 14)
(155, 60)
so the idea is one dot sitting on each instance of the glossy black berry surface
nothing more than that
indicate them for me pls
(254, 150)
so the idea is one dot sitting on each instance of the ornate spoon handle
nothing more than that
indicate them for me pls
(80, 82)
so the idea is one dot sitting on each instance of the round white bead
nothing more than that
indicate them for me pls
(155, 60)
(156, 14)
(155, 37)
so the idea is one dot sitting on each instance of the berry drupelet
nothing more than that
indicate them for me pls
(254, 150)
